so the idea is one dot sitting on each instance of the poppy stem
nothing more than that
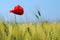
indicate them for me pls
(15, 18)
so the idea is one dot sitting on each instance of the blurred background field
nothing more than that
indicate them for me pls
(36, 12)
(30, 31)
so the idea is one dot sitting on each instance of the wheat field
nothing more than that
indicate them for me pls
(30, 31)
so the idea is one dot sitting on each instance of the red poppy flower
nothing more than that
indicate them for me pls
(18, 10)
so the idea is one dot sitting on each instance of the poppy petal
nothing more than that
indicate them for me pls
(17, 10)
(11, 10)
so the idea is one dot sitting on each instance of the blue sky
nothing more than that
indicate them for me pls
(49, 9)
